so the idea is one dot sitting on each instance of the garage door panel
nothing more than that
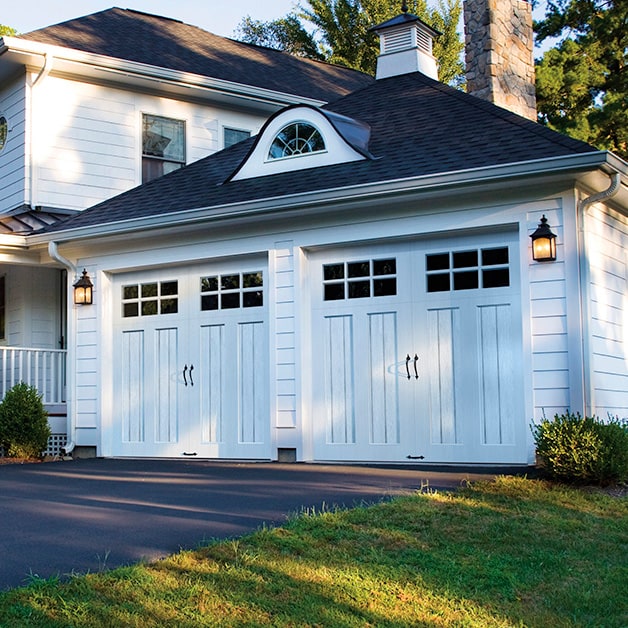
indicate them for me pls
(132, 387)
(252, 367)
(211, 382)
(165, 385)
(497, 371)
(339, 382)
(443, 331)
(384, 394)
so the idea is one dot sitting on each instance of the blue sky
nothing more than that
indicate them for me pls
(216, 16)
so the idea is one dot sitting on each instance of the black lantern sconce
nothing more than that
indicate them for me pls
(83, 290)
(543, 243)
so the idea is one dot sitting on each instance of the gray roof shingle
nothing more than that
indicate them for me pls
(418, 127)
(163, 42)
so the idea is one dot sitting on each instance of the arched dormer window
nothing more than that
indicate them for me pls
(297, 138)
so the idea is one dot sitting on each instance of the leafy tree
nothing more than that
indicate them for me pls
(338, 31)
(582, 83)
(7, 30)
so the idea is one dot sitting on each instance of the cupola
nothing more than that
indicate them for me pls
(405, 45)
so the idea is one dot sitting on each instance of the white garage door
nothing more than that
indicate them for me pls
(420, 353)
(191, 363)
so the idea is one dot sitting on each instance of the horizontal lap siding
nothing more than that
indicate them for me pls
(12, 158)
(550, 339)
(285, 338)
(88, 138)
(607, 251)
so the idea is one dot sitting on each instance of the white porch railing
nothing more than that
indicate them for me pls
(42, 368)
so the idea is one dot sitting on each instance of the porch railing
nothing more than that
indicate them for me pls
(42, 368)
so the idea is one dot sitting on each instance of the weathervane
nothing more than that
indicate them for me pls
(404, 6)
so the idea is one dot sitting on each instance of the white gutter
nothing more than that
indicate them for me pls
(133, 69)
(585, 285)
(53, 251)
(43, 73)
(351, 193)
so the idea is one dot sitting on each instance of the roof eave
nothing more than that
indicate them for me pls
(78, 62)
(311, 201)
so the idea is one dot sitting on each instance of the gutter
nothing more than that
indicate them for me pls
(353, 193)
(43, 73)
(53, 251)
(585, 283)
(123, 68)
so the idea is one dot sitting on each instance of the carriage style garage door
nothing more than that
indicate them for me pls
(191, 363)
(420, 352)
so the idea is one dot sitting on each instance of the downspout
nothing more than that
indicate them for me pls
(585, 283)
(53, 251)
(43, 73)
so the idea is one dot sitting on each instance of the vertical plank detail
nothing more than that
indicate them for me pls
(252, 377)
(384, 414)
(132, 389)
(496, 374)
(166, 374)
(211, 385)
(339, 382)
(442, 327)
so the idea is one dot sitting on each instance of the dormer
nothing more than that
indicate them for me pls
(405, 45)
(302, 136)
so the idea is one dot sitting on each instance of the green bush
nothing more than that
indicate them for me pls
(583, 450)
(24, 429)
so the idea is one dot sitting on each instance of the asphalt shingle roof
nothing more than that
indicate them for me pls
(418, 127)
(163, 42)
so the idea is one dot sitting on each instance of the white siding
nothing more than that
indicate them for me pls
(607, 258)
(88, 138)
(33, 310)
(550, 338)
(12, 157)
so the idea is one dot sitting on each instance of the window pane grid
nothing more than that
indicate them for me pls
(360, 279)
(467, 270)
(232, 291)
(150, 299)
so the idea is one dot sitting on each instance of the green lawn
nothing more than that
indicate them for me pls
(513, 552)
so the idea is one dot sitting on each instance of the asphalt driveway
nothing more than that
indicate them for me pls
(88, 515)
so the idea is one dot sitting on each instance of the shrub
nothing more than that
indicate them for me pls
(24, 429)
(583, 450)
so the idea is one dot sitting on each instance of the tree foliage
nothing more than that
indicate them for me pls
(7, 30)
(582, 83)
(338, 31)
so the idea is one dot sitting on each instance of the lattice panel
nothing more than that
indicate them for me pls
(55, 443)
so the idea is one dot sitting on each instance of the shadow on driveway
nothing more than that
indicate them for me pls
(89, 515)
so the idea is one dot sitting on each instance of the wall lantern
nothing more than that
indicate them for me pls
(543, 243)
(83, 290)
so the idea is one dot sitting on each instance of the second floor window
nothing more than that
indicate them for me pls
(163, 146)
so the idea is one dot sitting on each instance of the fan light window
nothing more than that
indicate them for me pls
(297, 138)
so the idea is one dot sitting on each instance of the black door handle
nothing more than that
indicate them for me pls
(416, 372)
(407, 367)
(192, 368)
(185, 368)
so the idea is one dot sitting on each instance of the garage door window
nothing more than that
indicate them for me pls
(150, 299)
(358, 280)
(235, 290)
(467, 270)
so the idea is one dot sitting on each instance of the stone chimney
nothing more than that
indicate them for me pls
(499, 53)
(405, 45)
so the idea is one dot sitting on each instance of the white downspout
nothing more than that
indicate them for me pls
(53, 251)
(43, 73)
(585, 283)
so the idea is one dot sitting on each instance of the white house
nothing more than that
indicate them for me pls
(95, 106)
(354, 283)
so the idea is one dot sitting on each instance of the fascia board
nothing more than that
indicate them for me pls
(125, 69)
(311, 201)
